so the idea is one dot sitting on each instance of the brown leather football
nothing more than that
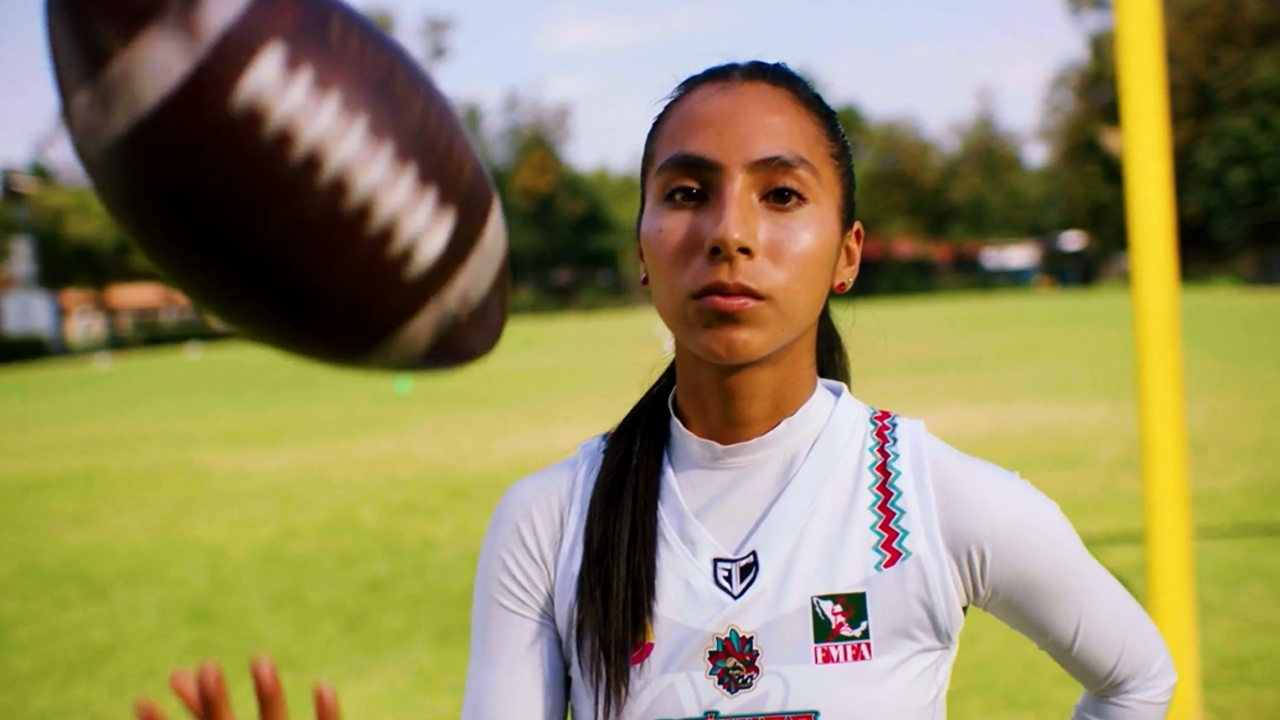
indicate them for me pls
(292, 169)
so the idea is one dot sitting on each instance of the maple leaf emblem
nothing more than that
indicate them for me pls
(734, 661)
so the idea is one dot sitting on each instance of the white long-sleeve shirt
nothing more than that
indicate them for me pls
(1002, 546)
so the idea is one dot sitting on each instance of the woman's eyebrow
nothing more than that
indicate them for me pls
(774, 163)
(695, 164)
(689, 163)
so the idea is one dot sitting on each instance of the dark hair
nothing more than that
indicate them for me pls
(617, 578)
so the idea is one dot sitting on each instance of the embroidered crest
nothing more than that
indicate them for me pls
(841, 628)
(734, 661)
(735, 576)
(885, 509)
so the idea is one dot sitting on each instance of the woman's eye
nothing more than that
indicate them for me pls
(683, 194)
(784, 196)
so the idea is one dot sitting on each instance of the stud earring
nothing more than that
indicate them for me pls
(842, 287)
(644, 278)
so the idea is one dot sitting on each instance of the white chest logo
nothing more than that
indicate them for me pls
(735, 576)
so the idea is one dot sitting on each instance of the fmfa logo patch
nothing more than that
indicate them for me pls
(735, 576)
(841, 628)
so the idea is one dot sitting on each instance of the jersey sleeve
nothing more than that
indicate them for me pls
(1014, 554)
(516, 669)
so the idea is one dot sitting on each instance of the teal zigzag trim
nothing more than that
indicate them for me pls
(886, 505)
(895, 493)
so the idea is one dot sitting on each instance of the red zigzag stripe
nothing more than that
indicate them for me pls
(889, 545)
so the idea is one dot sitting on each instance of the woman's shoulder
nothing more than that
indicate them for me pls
(952, 472)
(975, 491)
(552, 488)
(912, 433)
(530, 523)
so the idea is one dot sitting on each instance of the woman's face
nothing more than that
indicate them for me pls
(741, 233)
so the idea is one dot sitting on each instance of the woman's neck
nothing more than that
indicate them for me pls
(730, 405)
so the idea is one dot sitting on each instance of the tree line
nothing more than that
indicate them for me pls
(572, 229)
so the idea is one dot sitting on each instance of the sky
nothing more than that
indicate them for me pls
(612, 62)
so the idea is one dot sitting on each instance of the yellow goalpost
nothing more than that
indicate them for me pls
(1151, 218)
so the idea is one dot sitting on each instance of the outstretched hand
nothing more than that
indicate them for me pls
(204, 693)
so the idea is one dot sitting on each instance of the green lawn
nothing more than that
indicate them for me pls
(167, 509)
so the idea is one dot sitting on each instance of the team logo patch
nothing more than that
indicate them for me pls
(735, 576)
(841, 628)
(783, 715)
(734, 660)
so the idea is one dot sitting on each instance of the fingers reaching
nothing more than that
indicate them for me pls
(214, 701)
(266, 684)
(204, 694)
(147, 710)
(183, 683)
(326, 701)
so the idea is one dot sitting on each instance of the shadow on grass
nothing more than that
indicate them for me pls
(1233, 531)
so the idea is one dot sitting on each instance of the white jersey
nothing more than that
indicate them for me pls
(844, 601)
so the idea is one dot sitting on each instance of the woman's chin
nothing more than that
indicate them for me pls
(729, 347)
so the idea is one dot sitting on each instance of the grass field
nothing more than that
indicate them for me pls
(168, 509)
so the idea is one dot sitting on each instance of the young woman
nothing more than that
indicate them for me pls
(751, 540)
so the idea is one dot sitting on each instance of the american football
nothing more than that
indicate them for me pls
(293, 169)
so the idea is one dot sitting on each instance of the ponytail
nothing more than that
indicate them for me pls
(618, 577)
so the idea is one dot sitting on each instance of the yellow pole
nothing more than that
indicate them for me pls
(1147, 154)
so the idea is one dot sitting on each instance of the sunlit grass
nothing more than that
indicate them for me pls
(167, 509)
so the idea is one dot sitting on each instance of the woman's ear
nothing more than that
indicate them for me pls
(850, 259)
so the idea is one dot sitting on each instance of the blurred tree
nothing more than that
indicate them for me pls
(8, 227)
(560, 226)
(79, 243)
(557, 223)
(1233, 171)
(8, 220)
(1225, 98)
(854, 124)
(1082, 127)
(989, 190)
(435, 34)
(522, 119)
(899, 181)
(1225, 81)
(475, 121)
(621, 196)
(384, 18)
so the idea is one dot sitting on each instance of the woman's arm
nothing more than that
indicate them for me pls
(516, 670)
(1015, 555)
